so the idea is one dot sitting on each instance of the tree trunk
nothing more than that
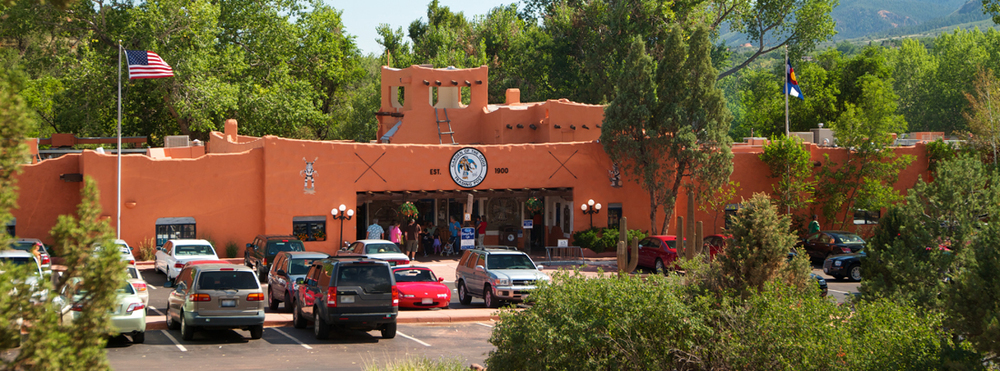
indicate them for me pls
(653, 206)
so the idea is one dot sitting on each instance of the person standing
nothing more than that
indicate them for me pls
(411, 235)
(454, 229)
(814, 225)
(395, 234)
(375, 231)
(480, 230)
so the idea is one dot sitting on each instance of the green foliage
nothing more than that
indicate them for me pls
(757, 251)
(232, 249)
(419, 364)
(973, 305)
(790, 163)
(938, 151)
(602, 239)
(54, 344)
(984, 114)
(146, 251)
(658, 323)
(992, 7)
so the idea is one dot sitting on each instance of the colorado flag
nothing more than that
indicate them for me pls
(792, 86)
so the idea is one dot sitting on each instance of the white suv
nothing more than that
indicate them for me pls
(496, 275)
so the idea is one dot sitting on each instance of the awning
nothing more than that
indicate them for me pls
(175, 221)
(308, 219)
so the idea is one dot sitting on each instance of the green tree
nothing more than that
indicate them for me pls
(757, 251)
(984, 114)
(790, 163)
(973, 305)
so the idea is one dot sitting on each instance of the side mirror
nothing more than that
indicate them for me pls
(480, 268)
(280, 272)
(299, 281)
(441, 279)
(540, 267)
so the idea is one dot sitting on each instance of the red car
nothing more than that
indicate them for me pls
(660, 252)
(420, 288)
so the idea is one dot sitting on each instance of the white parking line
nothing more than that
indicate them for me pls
(412, 338)
(171, 337)
(290, 337)
(151, 287)
(158, 312)
(842, 292)
(483, 324)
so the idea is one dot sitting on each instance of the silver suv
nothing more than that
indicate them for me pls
(496, 275)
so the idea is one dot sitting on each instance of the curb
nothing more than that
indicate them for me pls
(161, 324)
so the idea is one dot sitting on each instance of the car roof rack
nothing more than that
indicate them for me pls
(499, 247)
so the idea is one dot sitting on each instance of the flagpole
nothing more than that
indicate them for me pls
(118, 206)
(786, 90)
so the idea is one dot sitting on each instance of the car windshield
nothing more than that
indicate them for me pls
(194, 250)
(848, 238)
(15, 261)
(227, 280)
(370, 277)
(126, 289)
(26, 246)
(511, 261)
(132, 273)
(276, 246)
(415, 275)
(299, 266)
(377, 248)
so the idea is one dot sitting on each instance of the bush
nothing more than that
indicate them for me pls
(585, 238)
(420, 364)
(146, 251)
(602, 239)
(232, 249)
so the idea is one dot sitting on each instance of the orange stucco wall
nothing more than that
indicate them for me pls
(247, 186)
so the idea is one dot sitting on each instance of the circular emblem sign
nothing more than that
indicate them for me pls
(468, 167)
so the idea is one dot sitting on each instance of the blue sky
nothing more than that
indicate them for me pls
(360, 17)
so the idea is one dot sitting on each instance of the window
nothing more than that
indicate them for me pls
(446, 97)
(227, 280)
(731, 210)
(866, 217)
(173, 229)
(396, 96)
(614, 214)
(309, 228)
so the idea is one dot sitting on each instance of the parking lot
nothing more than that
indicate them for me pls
(421, 334)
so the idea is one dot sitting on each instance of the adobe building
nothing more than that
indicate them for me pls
(441, 144)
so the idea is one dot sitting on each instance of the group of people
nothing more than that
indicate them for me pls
(429, 237)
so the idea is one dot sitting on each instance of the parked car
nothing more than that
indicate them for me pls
(126, 251)
(496, 275)
(350, 293)
(419, 287)
(128, 315)
(262, 250)
(658, 253)
(44, 258)
(822, 244)
(845, 266)
(288, 267)
(216, 296)
(376, 249)
(170, 258)
(141, 289)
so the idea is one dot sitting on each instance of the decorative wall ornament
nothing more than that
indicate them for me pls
(503, 211)
(309, 184)
(468, 167)
(615, 176)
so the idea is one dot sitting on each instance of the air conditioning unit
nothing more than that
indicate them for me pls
(176, 141)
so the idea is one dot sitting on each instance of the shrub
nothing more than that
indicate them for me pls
(232, 249)
(585, 238)
(420, 364)
(146, 251)
(602, 239)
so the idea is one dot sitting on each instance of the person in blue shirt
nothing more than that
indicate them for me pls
(454, 228)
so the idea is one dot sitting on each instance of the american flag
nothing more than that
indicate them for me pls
(147, 65)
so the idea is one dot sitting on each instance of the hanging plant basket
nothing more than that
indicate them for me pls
(534, 205)
(409, 210)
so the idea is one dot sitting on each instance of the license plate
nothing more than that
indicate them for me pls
(347, 299)
(426, 301)
(228, 303)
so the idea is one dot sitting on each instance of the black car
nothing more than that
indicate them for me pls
(349, 293)
(823, 244)
(844, 265)
(262, 250)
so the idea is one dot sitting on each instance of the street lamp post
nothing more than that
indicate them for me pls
(340, 214)
(590, 208)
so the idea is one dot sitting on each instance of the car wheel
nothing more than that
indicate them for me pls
(271, 303)
(660, 268)
(389, 331)
(297, 320)
(320, 329)
(491, 302)
(187, 332)
(256, 331)
(289, 302)
(139, 337)
(463, 294)
(854, 272)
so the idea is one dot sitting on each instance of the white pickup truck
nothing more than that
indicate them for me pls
(175, 253)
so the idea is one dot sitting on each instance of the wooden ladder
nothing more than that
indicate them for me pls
(450, 132)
